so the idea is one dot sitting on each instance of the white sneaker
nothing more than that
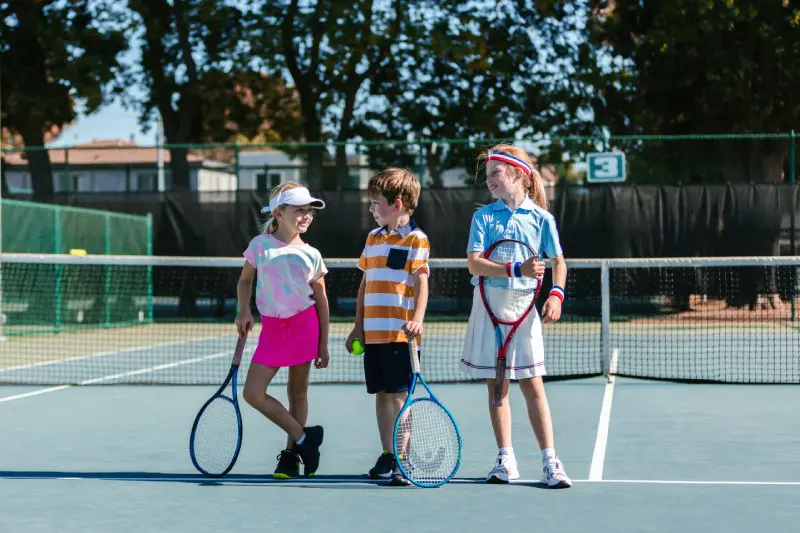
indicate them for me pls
(554, 475)
(504, 470)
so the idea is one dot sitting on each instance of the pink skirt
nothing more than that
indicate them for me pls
(288, 341)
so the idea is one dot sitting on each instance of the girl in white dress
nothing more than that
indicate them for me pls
(520, 213)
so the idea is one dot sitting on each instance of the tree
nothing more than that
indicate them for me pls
(56, 55)
(189, 48)
(463, 71)
(700, 67)
(247, 107)
(329, 49)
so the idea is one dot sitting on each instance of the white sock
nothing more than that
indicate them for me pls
(301, 440)
(509, 452)
(548, 453)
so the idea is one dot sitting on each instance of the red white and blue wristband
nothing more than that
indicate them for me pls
(558, 292)
(514, 270)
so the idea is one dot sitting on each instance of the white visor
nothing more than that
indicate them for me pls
(296, 196)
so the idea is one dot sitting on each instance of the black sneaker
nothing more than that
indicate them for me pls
(383, 467)
(398, 479)
(309, 450)
(288, 465)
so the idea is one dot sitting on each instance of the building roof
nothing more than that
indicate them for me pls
(102, 153)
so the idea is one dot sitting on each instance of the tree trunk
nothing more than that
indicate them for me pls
(179, 164)
(39, 165)
(4, 192)
(433, 162)
(315, 157)
(752, 161)
(341, 178)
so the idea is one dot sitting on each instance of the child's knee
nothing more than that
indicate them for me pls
(297, 395)
(252, 395)
(533, 386)
(397, 399)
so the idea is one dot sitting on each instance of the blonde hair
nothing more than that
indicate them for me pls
(534, 184)
(271, 225)
(395, 183)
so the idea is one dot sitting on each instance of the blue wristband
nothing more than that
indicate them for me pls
(517, 270)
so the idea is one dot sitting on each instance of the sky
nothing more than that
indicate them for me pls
(109, 122)
(112, 121)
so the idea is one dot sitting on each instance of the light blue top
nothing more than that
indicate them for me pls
(528, 223)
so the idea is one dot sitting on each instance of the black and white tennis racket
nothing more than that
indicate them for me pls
(217, 430)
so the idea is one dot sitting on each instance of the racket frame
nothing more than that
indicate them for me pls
(416, 377)
(502, 347)
(231, 378)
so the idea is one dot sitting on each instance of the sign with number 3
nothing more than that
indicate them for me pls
(605, 167)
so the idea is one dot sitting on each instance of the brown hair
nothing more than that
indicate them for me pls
(395, 183)
(271, 225)
(534, 184)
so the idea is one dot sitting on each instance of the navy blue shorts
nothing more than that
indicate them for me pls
(387, 367)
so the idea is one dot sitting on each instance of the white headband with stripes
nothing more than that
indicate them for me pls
(511, 160)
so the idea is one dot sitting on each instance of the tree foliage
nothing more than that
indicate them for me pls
(467, 70)
(677, 67)
(57, 56)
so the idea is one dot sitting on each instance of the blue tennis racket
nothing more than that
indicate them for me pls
(427, 442)
(217, 430)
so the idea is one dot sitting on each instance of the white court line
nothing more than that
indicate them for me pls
(103, 354)
(687, 482)
(329, 480)
(34, 393)
(599, 453)
(111, 377)
(154, 368)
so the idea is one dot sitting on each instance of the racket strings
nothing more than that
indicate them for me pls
(510, 304)
(513, 252)
(427, 442)
(216, 437)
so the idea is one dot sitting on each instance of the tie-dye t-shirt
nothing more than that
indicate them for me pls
(285, 273)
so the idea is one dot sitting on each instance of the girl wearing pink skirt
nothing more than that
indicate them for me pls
(291, 299)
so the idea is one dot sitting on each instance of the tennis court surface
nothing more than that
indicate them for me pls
(696, 429)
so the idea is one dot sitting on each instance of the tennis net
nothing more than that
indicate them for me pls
(94, 320)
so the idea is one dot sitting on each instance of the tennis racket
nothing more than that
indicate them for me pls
(507, 301)
(217, 430)
(427, 442)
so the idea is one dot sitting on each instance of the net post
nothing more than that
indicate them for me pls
(605, 318)
(58, 267)
(107, 268)
(149, 221)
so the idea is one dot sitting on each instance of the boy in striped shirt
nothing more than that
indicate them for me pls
(391, 305)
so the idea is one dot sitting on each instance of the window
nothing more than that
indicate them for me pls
(67, 183)
(146, 182)
(262, 185)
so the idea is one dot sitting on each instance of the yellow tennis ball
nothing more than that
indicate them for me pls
(358, 348)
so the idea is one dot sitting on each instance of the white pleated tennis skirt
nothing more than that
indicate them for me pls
(525, 355)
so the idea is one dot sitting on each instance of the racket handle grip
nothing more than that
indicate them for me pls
(499, 382)
(240, 344)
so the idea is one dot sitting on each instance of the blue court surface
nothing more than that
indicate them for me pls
(645, 456)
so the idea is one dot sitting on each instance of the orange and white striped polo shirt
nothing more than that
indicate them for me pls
(389, 261)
